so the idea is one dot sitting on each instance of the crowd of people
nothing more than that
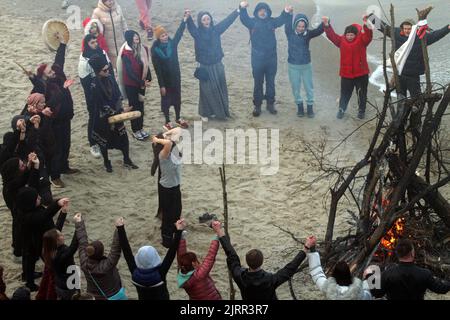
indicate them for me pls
(114, 66)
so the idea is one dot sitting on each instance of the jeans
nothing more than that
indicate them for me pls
(264, 69)
(347, 86)
(298, 75)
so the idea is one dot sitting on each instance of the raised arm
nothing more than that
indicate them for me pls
(282, 18)
(61, 220)
(170, 255)
(125, 245)
(367, 36)
(157, 66)
(284, 274)
(332, 36)
(223, 25)
(317, 31)
(192, 28)
(233, 261)
(316, 271)
(248, 22)
(60, 57)
(288, 27)
(380, 25)
(81, 234)
(437, 35)
(114, 254)
(179, 33)
(182, 248)
(208, 263)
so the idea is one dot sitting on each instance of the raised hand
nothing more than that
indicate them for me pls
(77, 218)
(310, 242)
(35, 120)
(120, 222)
(244, 4)
(326, 21)
(289, 9)
(64, 203)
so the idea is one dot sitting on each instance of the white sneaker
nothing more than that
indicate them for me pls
(95, 151)
(65, 4)
(138, 135)
(204, 119)
(144, 134)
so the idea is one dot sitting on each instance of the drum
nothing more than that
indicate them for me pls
(124, 117)
(50, 30)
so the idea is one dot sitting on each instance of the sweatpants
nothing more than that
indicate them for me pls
(347, 86)
(264, 70)
(301, 74)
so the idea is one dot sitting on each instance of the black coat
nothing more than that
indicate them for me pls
(12, 184)
(260, 285)
(208, 45)
(167, 68)
(262, 31)
(35, 223)
(63, 259)
(415, 65)
(407, 281)
(57, 97)
(146, 281)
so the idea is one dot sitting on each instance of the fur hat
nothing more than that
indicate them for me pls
(159, 31)
(147, 258)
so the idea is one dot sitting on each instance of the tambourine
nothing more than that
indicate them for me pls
(124, 117)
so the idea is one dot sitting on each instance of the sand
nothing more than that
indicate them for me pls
(256, 203)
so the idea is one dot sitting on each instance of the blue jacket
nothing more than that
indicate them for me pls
(262, 31)
(298, 44)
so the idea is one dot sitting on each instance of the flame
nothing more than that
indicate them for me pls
(389, 241)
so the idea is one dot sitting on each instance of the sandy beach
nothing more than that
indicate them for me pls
(257, 203)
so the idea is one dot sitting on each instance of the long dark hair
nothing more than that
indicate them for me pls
(342, 274)
(49, 246)
(157, 148)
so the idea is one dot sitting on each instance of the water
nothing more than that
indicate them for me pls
(345, 12)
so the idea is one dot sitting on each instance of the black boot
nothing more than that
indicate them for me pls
(129, 164)
(257, 111)
(300, 110)
(271, 108)
(310, 111)
(108, 166)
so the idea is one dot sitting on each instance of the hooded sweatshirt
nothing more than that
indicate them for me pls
(147, 272)
(298, 44)
(208, 45)
(262, 31)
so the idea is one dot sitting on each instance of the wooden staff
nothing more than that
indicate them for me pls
(223, 178)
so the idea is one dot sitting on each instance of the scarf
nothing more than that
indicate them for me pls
(164, 50)
(402, 54)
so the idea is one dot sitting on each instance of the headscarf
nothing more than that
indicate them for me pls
(35, 98)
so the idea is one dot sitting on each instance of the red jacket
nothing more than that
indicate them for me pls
(199, 285)
(135, 78)
(353, 54)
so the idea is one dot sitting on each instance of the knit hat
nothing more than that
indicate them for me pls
(26, 199)
(98, 62)
(147, 258)
(95, 250)
(22, 293)
(351, 29)
(158, 31)
(129, 35)
(40, 69)
(35, 98)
